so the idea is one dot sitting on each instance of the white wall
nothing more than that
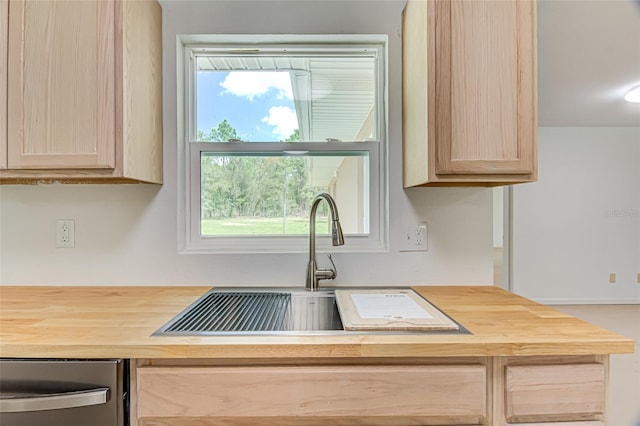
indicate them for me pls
(581, 220)
(127, 234)
(498, 217)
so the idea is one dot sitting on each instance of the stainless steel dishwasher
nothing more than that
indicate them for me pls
(64, 392)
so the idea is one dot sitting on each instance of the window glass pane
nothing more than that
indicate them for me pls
(286, 98)
(270, 194)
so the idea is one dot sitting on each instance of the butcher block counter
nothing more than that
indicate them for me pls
(94, 322)
(522, 364)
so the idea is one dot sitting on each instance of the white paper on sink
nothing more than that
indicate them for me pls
(388, 306)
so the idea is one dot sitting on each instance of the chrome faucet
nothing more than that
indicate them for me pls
(315, 274)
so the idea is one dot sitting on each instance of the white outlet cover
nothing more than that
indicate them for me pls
(415, 237)
(65, 233)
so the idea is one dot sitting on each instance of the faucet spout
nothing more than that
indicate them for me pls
(315, 274)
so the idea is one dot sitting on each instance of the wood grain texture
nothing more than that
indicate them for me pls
(34, 177)
(96, 322)
(123, 106)
(485, 96)
(141, 100)
(554, 392)
(587, 423)
(4, 33)
(481, 93)
(415, 93)
(484, 59)
(61, 85)
(297, 421)
(498, 368)
(456, 393)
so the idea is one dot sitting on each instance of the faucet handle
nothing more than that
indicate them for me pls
(335, 270)
(327, 273)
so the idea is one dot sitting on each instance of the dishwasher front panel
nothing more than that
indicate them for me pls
(63, 392)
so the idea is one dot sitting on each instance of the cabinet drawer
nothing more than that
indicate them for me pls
(447, 394)
(587, 423)
(545, 393)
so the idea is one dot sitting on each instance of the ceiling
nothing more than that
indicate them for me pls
(588, 58)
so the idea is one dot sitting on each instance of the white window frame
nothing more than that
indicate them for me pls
(189, 151)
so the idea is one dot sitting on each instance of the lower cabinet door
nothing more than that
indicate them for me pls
(587, 423)
(313, 395)
(536, 394)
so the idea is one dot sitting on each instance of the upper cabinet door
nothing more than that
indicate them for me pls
(485, 64)
(469, 92)
(61, 84)
(4, 31)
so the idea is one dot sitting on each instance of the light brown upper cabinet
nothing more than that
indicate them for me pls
(4, 32)
(469, 92)
(84, 91)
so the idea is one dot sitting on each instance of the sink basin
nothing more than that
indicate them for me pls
(257, 311)
(265, 311)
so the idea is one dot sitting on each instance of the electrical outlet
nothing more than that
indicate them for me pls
(612, 278)
(65, 234)
(415, 238)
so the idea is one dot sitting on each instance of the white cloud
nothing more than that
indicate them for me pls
(284, 119)
(251, 84)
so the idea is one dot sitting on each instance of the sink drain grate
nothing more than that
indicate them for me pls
(233, 311)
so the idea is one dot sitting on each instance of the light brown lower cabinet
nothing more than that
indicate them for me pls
(551, 391)
(343, 394)
(554, 391)
(587, 423)
(498, 391)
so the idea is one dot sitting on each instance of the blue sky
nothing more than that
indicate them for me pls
(258, 105)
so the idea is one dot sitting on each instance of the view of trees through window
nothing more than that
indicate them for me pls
(245, 194)
(273, 129)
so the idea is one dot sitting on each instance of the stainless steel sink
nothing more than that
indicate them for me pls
(257, 311)
(265, 311)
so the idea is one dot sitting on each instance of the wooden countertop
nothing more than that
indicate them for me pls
(96, 322)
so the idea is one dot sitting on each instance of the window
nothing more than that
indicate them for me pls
(270, 122)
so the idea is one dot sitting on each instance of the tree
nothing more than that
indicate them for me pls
(223, 133)
(251, 186)
(295, 136)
